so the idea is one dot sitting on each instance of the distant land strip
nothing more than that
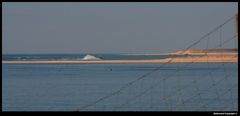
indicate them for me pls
(173, 60)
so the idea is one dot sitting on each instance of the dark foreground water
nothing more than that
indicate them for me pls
(120, 87)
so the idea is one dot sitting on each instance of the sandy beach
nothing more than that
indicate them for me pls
(222, 52)
(187, 56)
(170, 60)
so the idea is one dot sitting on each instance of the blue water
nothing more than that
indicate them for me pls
(44, 57)
(76, 87)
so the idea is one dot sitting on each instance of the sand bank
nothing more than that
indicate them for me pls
(193, 52)
(171, 60)
(206, 52)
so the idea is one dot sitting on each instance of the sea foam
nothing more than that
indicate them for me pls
(90, 57)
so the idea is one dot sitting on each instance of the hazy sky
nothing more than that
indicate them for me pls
(108, 27)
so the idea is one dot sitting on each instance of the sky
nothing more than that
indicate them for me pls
(131, 27)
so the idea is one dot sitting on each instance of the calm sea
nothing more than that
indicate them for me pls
(32, 57)
(118, 87)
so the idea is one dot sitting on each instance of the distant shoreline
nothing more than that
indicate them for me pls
(206, 52)
(170, 60)
(181, 56)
